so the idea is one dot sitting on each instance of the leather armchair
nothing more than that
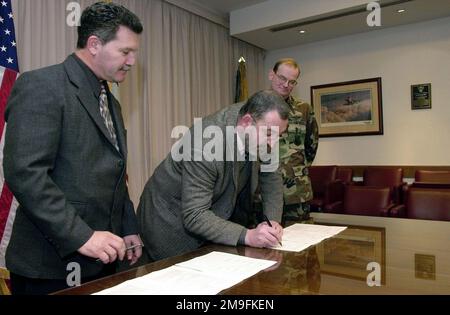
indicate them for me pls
(430, 179)
(428, 203)
(326, 189)
(442, 177)
(386, 177)
(345, 175)
(363, 200)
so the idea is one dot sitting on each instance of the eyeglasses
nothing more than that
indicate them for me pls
(283, 80)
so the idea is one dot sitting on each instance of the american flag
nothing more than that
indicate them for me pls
(9, 70)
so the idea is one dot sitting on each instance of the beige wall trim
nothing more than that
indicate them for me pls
(408, 170)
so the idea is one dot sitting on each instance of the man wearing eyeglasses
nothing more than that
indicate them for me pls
(298, 145)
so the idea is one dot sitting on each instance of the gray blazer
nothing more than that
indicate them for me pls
(62, 167)
(185, 204)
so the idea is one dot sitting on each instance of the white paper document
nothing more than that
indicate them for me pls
(298, 237)
(205, 275)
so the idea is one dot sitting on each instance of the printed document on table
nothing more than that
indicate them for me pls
(226, 265)
(298, 237)
(205, 275)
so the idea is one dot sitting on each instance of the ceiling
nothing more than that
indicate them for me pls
(224, 7)
(333, 24)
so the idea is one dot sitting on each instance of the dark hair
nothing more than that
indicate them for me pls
(103, 20)
(263, 102)
(286, 61)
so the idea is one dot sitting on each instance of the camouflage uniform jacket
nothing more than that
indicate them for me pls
(298, 147)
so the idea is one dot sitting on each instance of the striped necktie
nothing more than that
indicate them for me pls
(104, 112)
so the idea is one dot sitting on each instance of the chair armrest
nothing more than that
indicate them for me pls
(386, 211)
(335, 191)
(406, 188)
(335, 207)
(398, 211)
(403, 190)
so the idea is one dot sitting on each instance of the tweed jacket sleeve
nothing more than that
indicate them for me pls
(198, 185)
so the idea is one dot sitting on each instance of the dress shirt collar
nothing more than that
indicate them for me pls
(94, 82)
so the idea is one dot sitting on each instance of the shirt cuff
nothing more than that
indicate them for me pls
(241, 240)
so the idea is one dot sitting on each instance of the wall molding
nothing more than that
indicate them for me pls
(408, 170)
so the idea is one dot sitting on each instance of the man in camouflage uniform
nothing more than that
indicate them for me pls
(298, 146)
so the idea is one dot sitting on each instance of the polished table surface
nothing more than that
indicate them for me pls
(407, 256)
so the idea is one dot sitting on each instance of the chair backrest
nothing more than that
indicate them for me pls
(366, 200)
(428, 203)
(433, 176)
(320, 176)
(383, 176)
(386, 177)
(345, 175)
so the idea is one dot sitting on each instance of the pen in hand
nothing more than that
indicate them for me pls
(126, 249)
(270, 224)
(134, 246)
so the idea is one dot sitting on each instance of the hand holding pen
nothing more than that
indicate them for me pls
(133, 249)
(265, 235)
(127, 249)
(270, 224)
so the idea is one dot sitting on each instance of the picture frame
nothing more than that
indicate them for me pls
(348, 253)
(352, 108)
(421, 96)
(425, 266)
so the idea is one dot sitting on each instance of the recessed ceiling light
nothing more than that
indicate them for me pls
(401, 10)
(302, 32)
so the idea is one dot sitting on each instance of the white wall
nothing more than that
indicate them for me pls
(401, 56)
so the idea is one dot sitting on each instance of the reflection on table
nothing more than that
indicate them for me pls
(416, 254)
(414, 257)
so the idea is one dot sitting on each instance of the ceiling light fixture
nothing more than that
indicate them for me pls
(401, 10)
(302, 32)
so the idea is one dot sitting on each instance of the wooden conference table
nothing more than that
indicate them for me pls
(407, 257)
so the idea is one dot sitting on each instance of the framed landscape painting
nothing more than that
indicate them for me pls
(352, 108)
